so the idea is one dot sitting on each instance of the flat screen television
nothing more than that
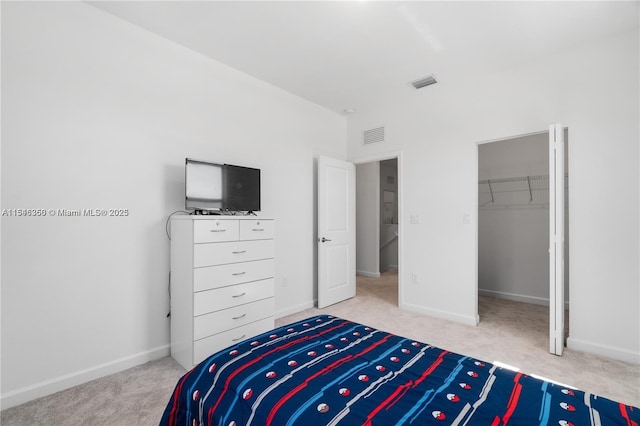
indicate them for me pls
(241, 188)
(214, 187)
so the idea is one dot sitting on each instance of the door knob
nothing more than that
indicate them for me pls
(324, 240)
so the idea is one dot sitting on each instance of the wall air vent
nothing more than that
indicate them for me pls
(424, 82)
(373, 135)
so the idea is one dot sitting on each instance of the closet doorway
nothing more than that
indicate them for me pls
(377, 229)
(513, 237)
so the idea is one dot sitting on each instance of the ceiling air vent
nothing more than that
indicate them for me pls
(424, 82)
(373, 135)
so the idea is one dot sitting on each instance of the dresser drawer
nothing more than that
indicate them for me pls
(210, 277)
(258, 229)
(217, 322)
(231, 252)
(226, 297)
(205, 347)
(213, 231)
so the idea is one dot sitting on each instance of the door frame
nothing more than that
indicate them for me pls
(557, 199)
(390, 156)
(477, 163)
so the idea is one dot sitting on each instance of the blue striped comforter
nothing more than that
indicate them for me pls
(330, 371)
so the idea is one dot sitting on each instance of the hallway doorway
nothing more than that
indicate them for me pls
(377, 222)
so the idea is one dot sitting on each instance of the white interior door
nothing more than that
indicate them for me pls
(556, 239)
(336, 231)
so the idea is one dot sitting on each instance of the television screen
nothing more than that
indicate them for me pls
(203, 185)
(221, 187)
(242, 188)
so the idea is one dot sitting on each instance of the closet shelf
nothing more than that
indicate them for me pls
(526, 184)
(541, 179)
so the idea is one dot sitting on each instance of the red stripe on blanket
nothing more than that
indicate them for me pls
(176, 399)
(513, 399)
(259, 358)
(325, 370)
(404, 388)
(625, 415)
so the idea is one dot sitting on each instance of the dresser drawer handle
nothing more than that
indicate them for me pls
(217, 230)
(241, 316)
(238, 273)
(258, 229)
(239, 252)
(238, 338)
(239, 295)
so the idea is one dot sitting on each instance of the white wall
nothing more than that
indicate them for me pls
(593, 90)
(520, 156)
(367, 219)
(98, 113)
(513, 257)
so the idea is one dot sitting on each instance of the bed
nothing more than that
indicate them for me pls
(330, 371)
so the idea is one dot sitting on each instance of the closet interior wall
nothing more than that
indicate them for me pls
(513, 219)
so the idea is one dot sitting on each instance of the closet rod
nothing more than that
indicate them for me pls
(515, 179)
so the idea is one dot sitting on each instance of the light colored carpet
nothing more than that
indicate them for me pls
(513, 333)
(509, 332)
(136, 396)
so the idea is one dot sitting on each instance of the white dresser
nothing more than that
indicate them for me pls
(222, 283)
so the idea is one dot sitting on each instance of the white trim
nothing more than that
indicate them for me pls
(368, 274)
(534, 300)
(507, 138)
(378, 157)
(463, 319)
(603, 350)
(47, 387)
(295, 309)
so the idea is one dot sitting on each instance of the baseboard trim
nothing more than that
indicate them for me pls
(289, 310)
(603, 350)
(515, 297)
(518, 297)
(368, 274)
(47, 387)
(463, 319)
